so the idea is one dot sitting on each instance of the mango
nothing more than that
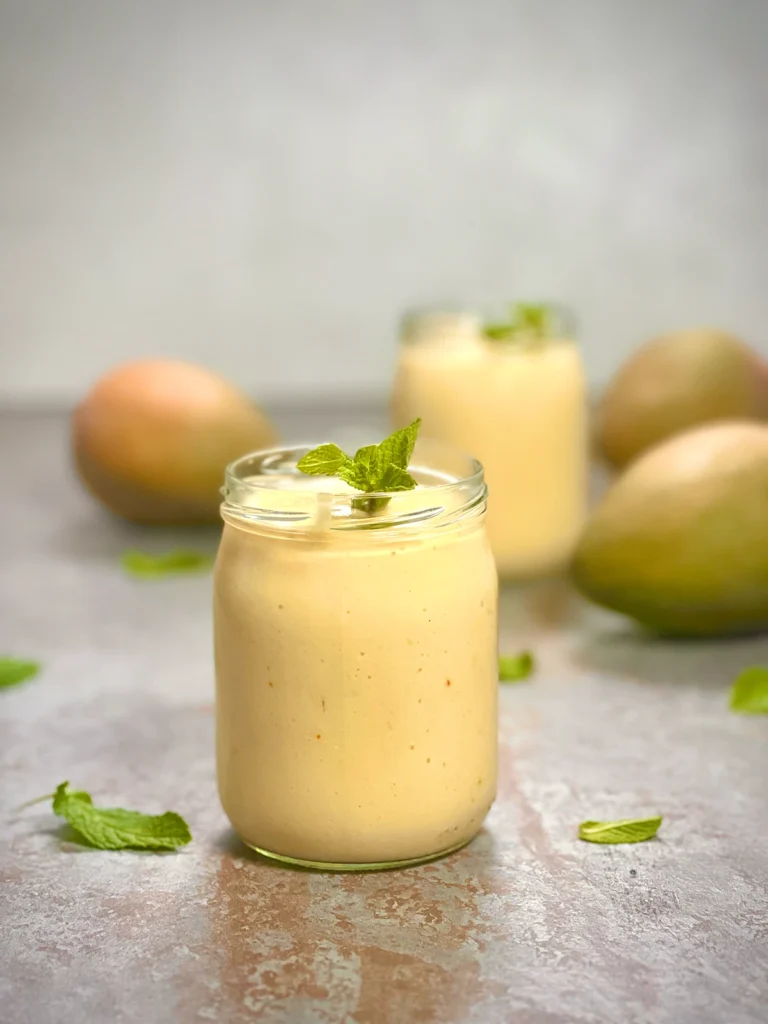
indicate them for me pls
(676, 382)
(152, 438)
(680, 540)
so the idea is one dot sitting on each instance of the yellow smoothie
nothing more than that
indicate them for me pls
(356, 668)
(521, 409)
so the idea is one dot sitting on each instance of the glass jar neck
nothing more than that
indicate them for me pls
(456, 323)
(266, 490)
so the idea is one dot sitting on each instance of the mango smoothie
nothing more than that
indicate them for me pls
(356, 664)
(520, 407)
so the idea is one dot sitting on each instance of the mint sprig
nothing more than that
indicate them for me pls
(626, 830)
(376, 468)
(526, 321)
(14, 671)
(749, 693)
(112, 828)
(515, 667)
(139, 563)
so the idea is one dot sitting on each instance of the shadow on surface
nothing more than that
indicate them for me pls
(229, 843)
(480, 851)
(630, 653)
(547, 605)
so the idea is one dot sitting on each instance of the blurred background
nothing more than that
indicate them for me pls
(263, 186)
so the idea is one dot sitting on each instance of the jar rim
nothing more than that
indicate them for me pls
(564, 320)
(250, 493)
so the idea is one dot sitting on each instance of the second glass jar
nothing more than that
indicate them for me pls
(520, 406)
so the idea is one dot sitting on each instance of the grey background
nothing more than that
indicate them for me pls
(262, 186)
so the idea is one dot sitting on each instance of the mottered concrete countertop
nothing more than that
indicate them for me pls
(527, 925)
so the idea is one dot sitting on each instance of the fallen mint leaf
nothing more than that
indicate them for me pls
(14, 671)
(749, 693)
(113, 828)
(627, 830)
(515, 667)
(139, 563)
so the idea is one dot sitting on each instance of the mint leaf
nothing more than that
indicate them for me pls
(395, 479)
(397, 449)
(514, 667)
(368, 462)
(112, 828)
(627, 830)
(139, 563)
(14, 671)
(326, 460)
(497, 332)
(375, 467)
(527, 321)
(531, 317)
(354, 474)
(749, 693)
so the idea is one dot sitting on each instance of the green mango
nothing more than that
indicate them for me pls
(680, 541)
(674, 383)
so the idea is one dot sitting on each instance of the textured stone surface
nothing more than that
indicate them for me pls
(527, 925)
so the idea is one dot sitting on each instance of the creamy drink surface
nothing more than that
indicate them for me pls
(522, 411)
(356, 674)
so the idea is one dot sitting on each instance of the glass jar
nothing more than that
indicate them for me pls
(520, 406)
(356, 662)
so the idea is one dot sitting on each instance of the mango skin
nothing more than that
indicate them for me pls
(680, 541)
(152, 438)
(675, 382)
